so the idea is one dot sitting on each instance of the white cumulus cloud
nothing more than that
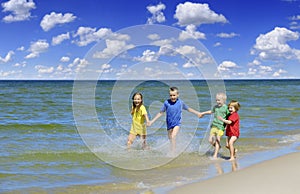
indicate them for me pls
(153, 36)
(88, 35)
(157, 14)
(190, 32)
(279, 73)
(7, 58)
(148, 56)
(20, 10)
(274, 45)
(36, 48)
(43, 69)
(49, 21)
(65, 59)
(115, 45)
(197, 14)
(60, 38)
(227, 66)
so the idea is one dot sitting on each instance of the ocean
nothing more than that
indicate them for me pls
(70, 137)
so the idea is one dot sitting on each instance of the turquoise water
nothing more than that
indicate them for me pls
(41, 149)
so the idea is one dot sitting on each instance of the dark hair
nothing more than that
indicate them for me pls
(174, 89)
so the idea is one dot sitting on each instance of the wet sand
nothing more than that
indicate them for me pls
(276, 176)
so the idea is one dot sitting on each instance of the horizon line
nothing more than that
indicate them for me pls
(226, 79)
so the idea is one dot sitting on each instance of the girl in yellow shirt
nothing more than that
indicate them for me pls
(139, 115)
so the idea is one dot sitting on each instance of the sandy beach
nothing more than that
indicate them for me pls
(276, 176)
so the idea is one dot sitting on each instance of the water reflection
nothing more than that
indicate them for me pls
(220, 166)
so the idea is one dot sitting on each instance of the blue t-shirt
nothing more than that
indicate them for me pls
(174, 112)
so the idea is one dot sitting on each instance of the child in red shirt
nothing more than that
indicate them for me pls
(232, 127)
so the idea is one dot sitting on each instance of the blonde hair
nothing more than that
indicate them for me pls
(235, 104)
(222, 95)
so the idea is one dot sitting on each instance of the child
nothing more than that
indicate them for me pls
(139, 115)
(217, 127)
(232, 127)
(173, 108)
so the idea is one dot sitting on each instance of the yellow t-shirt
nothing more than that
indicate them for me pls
(138, 126)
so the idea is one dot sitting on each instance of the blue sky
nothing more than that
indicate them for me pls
(50, 39)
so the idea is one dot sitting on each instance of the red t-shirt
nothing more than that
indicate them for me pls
(234, 128)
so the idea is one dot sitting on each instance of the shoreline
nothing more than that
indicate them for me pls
(276, 176)
(247, 171)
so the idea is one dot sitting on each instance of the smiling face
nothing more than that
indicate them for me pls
(137, 100)
(233, 106)
(220, 99)
(174, 95)
(231, 109)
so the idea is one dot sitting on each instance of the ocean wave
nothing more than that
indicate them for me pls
(290, 138)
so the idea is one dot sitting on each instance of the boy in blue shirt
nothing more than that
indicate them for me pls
(173, 108)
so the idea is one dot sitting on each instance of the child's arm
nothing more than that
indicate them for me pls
(228, 122)
(155, 118)
(147, 120)
(195, 112)
(205, 113)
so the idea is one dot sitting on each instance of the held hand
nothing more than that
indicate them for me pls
(200, 115)
(148, 124)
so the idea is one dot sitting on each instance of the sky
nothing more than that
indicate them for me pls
(257, 39)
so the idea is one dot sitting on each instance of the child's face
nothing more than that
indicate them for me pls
(137, 100)
(219, 100)
(174, 95)
(231, 109)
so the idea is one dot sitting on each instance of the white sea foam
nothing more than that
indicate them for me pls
(290, 138)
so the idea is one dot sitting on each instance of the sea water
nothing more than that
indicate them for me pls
(56, 139)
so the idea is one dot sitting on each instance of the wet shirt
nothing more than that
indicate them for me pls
(174, 112)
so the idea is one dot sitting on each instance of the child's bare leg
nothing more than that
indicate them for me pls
(131, 138)
(172, 133)
(227, 142)
(211, 140)
(170, 138)
(217, 147)
(143, 138)
(231, 148)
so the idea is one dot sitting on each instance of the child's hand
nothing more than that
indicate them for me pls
(220, 118)
(148, 124)
(200, 115)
